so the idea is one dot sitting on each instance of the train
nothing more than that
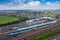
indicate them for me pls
(21, 30)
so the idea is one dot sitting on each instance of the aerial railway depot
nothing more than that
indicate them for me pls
(22, 34)
(29, 19)
(34, 33)
(36, 24)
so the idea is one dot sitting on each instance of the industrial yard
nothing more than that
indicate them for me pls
(29, 19)
(31, 26)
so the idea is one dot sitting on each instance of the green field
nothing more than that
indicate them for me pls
(51, 15)
(9, 19)
(43, 36)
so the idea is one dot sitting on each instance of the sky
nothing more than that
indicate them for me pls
(29, 4)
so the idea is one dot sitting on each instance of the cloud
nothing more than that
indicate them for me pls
(53, 4)
(32, 5)
(48, 3)
(37, 5)
(29, 5)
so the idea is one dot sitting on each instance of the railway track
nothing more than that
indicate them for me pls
(37, 32)
(33, 32)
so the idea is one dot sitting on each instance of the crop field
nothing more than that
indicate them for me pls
(7, 19)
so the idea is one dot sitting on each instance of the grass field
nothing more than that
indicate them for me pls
(7, 19)
(46, 35)
(51, 15)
